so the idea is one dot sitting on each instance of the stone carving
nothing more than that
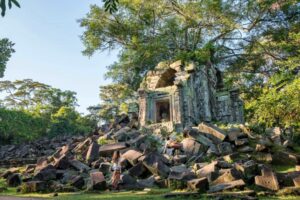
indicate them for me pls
(185, 94)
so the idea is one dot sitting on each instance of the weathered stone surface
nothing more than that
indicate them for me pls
(228, 176)
(216, 134)
(268, 180)
(93, 152)
(146, 183)
(199, 184)
(153, 162)
(79, 165)
(225, 148)
(248, 169)
(138, 170)
(61, 163)
(245, 149)
(207, 170)
(181, 173)
(263, 157)
(132, 156)
(127, 182)
(190, 146)
(284, 158)
(231, 157)
(234, 134)
(226, 186)
(198, 136)
(105, 168)
(77, 182)
(108, 149)
(34, 186)
(98, 181)
(260, 147)
(241, 142)
(47, 173)
(287, 179)
(180, 159)
(13, 180)
(297, 181)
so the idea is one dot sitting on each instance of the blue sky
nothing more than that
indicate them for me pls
(48, 47)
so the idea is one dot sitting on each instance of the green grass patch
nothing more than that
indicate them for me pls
(283, 168)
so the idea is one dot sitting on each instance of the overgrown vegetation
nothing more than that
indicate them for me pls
(256, 44)
(31, 110)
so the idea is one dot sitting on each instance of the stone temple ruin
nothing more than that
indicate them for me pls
(180, 94)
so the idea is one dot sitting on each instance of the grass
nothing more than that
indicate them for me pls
(284, 168)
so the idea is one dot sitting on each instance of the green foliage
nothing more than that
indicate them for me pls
(115, 99)
(17, 126)
(10, 3)
(67, 121)
(6, 49)
(267, 68)
(34, 109)
(148, 32)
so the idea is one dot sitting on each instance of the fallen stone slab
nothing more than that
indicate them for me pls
(98, 181)
(190, 146)
(207, 170)
(226, 186)
(245, 149)
(284, 158)
(132, 156)
(76, 164)
(248, 168)
(146, 183)
(296, 181)
(138, 170)
(287, 179)
(234, 134)
(45, 174)
(154, 163)
(216, 134)
(93, 152)
(225, 148)
(198, 136)
(199, 184)
(13, 180)
(61, 163)
(34, 186)
(241, 142)
(109, 149)
(268, 180)
(229, 176)
(77, 182)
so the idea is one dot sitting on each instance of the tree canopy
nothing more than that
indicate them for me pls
(39, 110)
(252, 41)
(6, 49)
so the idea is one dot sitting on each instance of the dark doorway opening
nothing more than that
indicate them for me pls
(163, 111)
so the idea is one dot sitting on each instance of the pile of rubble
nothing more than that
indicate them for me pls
(203, 159)
(27, 153)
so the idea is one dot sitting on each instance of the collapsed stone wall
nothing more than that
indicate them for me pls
(194, 93)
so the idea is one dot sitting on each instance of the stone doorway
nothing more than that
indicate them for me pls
(163, 112)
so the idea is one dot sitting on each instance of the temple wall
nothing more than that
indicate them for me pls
(191, 93)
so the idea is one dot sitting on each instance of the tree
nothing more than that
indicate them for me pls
(147, 32)
(114, 99)
(253, 41)
(32, 95)
(268, 66)
(10, 3)
(6, 49)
